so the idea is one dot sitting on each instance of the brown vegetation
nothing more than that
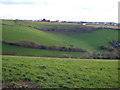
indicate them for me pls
(66, 56)
(35, 45)
(103, 26)
(106, 48)
(14, 54)
(115, 43)
(52, 23)
(77, 29)
(114, 54)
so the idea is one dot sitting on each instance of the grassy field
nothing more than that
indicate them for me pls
(44, 72)
(39, 25)
(92, 40)
(89, 41)
(18, 33)
(34, 52)
(20, 71)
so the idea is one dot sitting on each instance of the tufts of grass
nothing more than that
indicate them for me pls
(60, 73)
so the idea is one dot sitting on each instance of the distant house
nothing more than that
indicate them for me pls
(84, 23)
(63, 21)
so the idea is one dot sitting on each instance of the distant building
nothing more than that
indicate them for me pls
(84, 23)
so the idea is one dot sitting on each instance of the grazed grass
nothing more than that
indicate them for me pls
(89, 41)
(60, 73)
(92, 40)
(35, 52)
(18, 33)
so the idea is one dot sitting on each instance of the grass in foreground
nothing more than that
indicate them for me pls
(42, 72)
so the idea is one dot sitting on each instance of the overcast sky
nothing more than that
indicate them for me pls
(68, 10)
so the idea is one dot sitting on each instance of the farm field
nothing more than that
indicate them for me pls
(39, 24)
(59, 44)
(108, 26)
(42, 72)
(36, 67)
(91, 41)
(33, 52)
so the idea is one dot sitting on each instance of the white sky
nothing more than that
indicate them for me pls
(68, 10)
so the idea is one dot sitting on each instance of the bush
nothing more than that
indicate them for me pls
(10, 43)
(79, 50)
(115, 43)
(72, 49)
(42, 47)
(53, 48)
(29, 44)
(65, 56)
(106, 48)
(114, 54)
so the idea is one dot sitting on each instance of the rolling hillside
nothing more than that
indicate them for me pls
(7, 49)
(44, 70)
(17, 31)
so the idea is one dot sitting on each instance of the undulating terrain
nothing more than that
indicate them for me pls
(54, 55)
(21, 30)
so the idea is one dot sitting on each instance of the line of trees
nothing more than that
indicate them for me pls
(35, 45)
(112, 54)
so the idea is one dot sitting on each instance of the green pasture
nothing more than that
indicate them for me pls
(59, 73)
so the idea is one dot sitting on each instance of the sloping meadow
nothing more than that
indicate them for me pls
(90, 41)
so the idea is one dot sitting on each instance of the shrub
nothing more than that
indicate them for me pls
(10, 43)
(53, 47)
(62, 48)
(115, 43)
(72, 49)
(114, 54)
(106, 48)
(29, 44)
(79, 49)
(65, 56)
(42, 47)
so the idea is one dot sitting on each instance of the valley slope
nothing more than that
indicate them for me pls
(22, 30)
